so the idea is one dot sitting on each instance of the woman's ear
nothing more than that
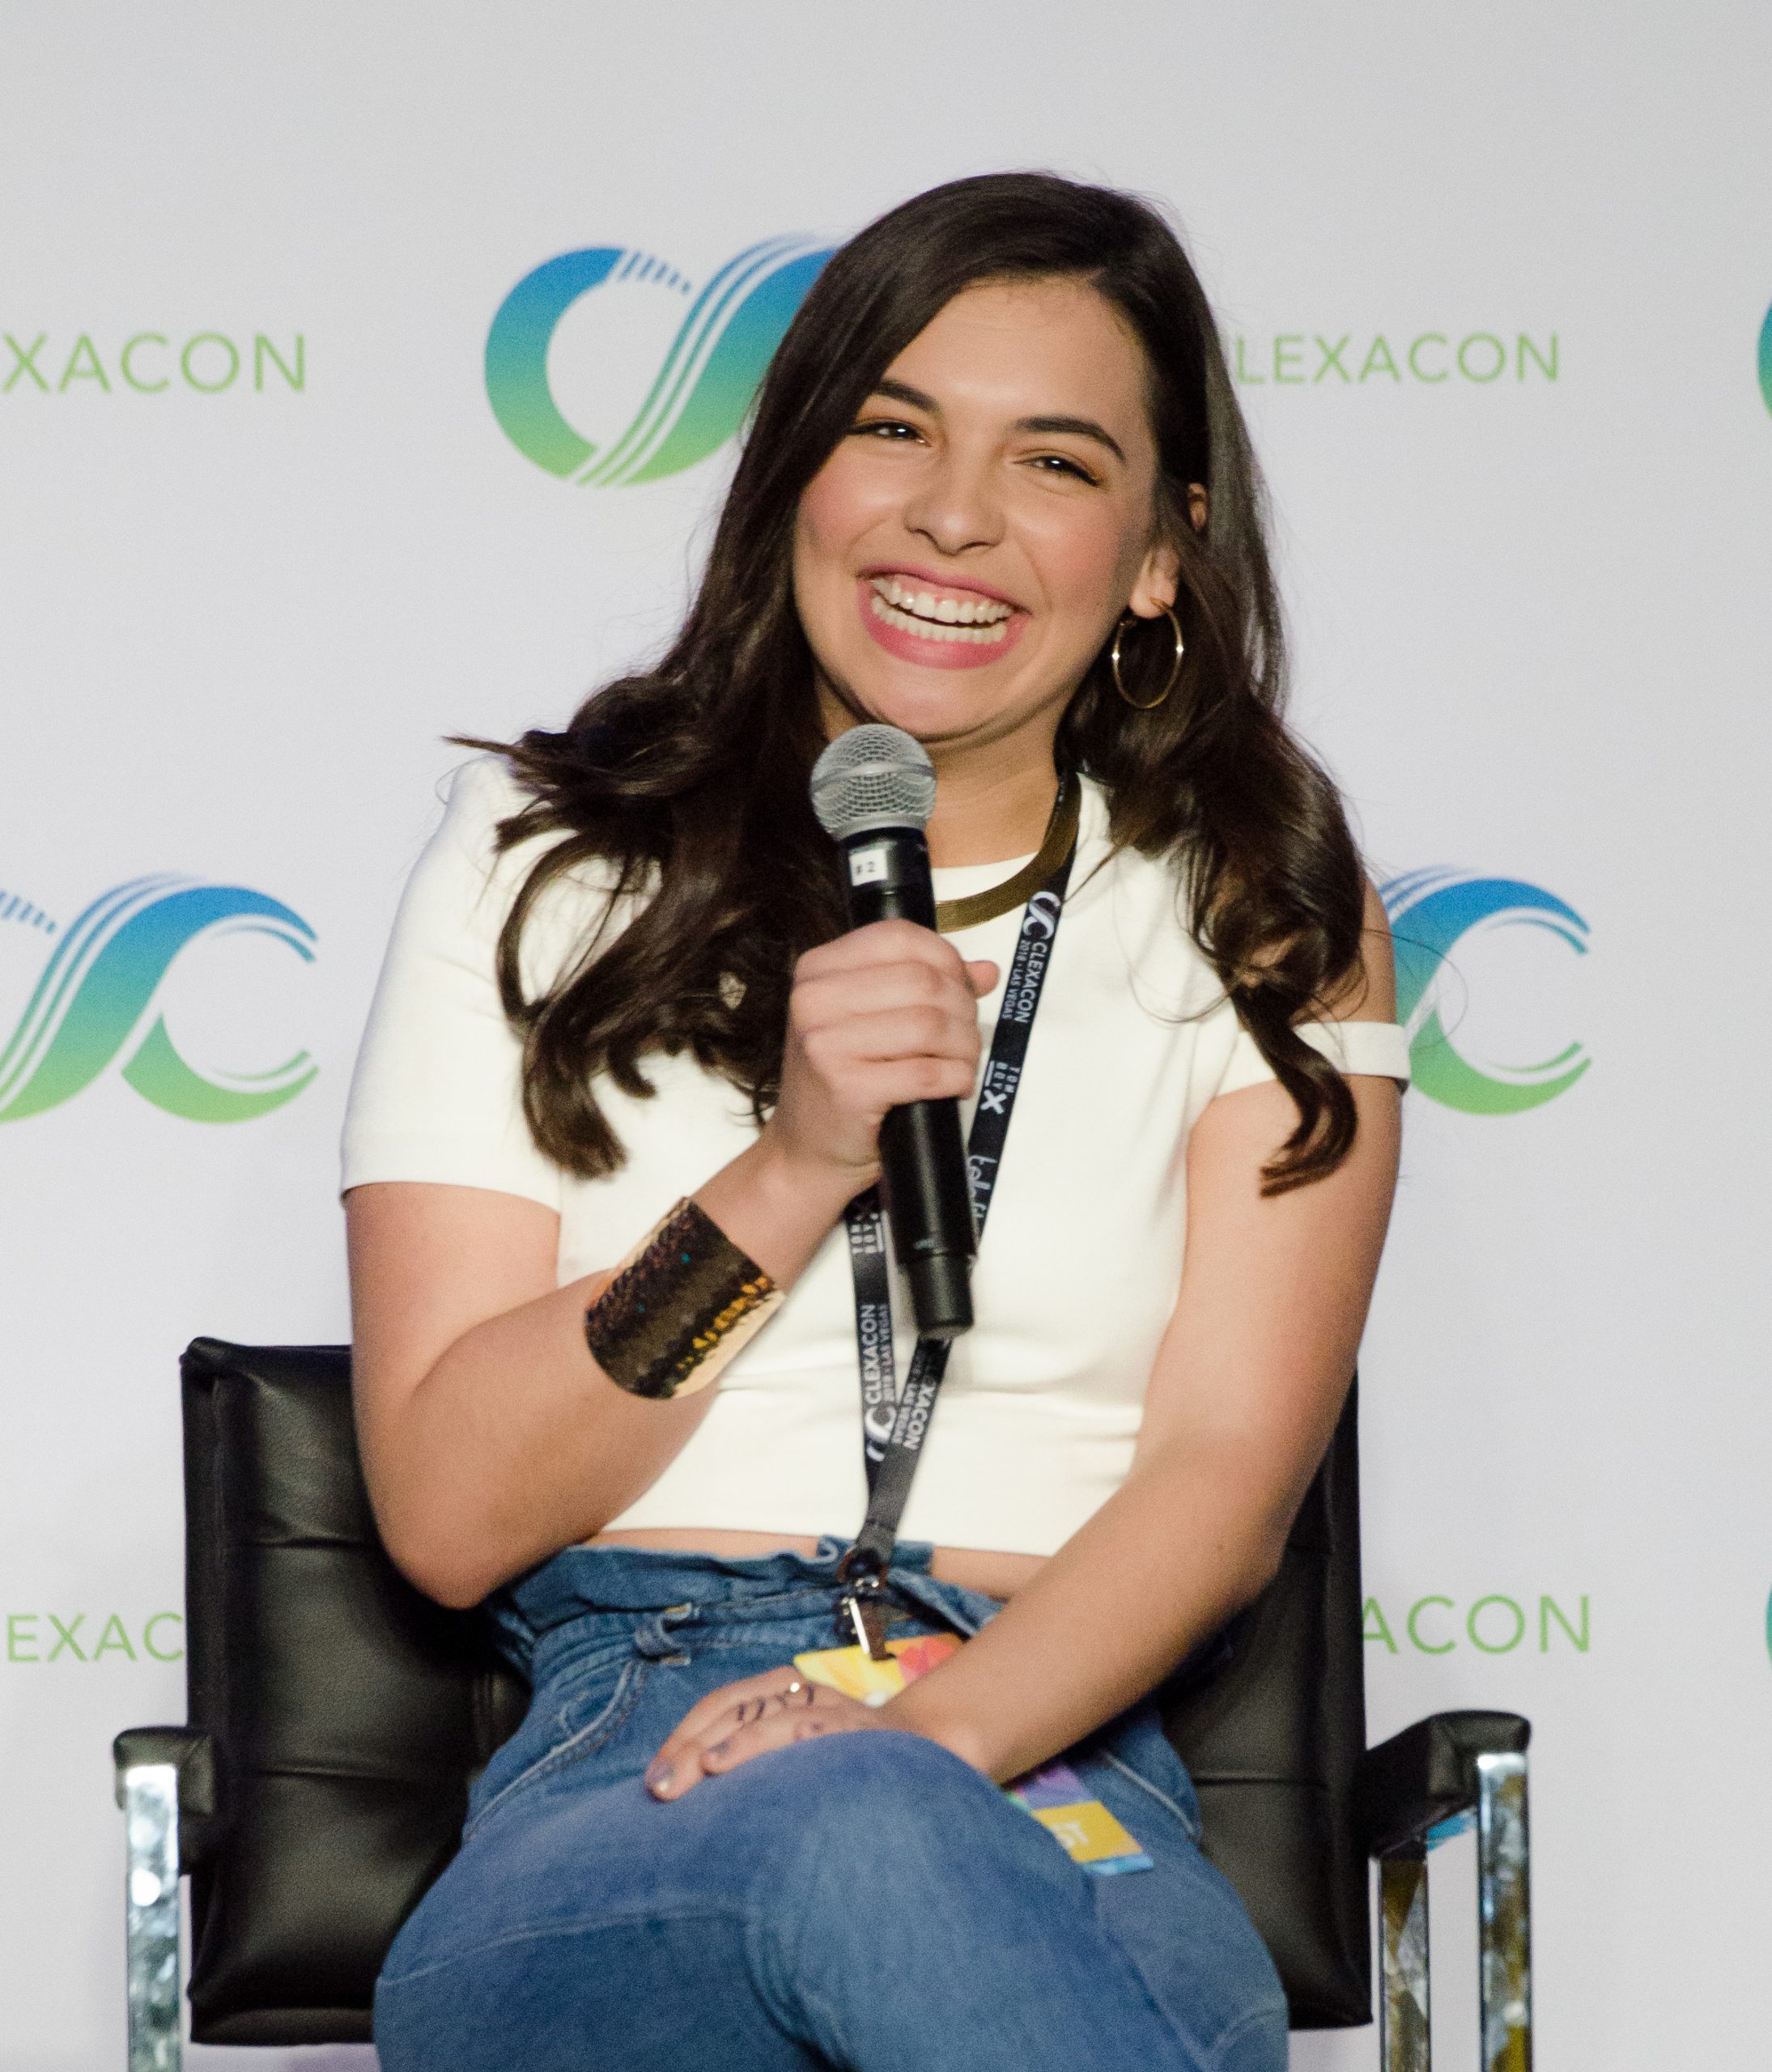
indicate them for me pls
(1154, 591)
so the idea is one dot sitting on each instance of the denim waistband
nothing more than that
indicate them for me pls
(628, 1583)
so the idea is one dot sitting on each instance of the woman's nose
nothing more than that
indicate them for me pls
(955, 506)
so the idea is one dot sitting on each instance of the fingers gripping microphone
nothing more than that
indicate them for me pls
(874, 789)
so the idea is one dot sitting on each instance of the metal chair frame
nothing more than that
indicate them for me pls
(1269, 1726)
(160, 1768)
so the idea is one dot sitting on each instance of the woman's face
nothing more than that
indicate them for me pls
(964, 553)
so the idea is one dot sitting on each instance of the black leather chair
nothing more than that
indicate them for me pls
(337, 1717)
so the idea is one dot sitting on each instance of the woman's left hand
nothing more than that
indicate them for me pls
(748, 1718)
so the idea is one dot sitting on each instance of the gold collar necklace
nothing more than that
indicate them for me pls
(953, 915)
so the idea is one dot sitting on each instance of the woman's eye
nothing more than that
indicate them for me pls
(895, 428)
(1061, 464)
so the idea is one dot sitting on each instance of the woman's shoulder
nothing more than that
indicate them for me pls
(469, 879)
(1154, 886)
(1128, 911)
(485, 789)
(481, 797)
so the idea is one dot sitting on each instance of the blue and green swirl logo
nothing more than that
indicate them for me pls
(1431, 912)
(1766, 359)
(95, 1001)
(698, 398)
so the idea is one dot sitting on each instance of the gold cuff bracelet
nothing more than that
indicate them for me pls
(682, 1303)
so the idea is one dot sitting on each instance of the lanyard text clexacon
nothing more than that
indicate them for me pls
(894, 1422)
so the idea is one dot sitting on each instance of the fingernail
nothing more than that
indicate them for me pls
(658, 1780)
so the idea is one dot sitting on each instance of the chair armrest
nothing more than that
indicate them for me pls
(1427, 1774)
(192, 1754)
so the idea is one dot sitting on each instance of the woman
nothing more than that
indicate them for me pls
(996, 492)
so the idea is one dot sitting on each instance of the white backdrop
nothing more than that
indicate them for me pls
(241, 609)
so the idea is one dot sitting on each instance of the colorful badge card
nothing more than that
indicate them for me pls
(1053, 1794)
(1084, 1828)
(849, 1670)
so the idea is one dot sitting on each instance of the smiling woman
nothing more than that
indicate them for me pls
(996, 493)
(944, 448)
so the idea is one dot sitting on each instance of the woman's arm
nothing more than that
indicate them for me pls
(1243, 1397)
(1248, 1385)
(1245, 1393)
(490, 1436)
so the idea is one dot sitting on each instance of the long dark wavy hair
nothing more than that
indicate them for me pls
(690, 778)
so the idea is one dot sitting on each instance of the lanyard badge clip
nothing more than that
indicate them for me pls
(860, 1607)
(867, 1622)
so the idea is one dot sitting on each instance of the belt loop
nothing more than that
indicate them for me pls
(653, 1641)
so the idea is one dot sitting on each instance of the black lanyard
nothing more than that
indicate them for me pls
(895, 1422)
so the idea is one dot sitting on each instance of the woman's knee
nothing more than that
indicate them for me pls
(903, 1782)
(903, 1819)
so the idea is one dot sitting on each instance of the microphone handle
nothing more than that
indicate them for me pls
(922, 1157)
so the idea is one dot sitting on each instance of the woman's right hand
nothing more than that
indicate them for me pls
(475, 1478)
(885, 1015)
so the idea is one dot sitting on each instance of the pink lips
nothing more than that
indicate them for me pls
(931, 651)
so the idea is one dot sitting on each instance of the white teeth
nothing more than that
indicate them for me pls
(940, 618)
(927, 629)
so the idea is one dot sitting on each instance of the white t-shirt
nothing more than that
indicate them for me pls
(1080, 1261)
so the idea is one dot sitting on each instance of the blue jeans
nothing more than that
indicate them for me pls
(864, 1900)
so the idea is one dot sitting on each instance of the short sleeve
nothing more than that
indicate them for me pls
(437, 1093)
(1378, 1049)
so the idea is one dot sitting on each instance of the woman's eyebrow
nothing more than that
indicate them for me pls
(1082, 427)
(902, 391)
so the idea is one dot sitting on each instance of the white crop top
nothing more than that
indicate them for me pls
(1079, 1268)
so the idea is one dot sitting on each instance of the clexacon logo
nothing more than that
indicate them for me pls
(1494, 1624)
(1301, 360)
(710, 372)
(46, 1637)
(1433, 910)
(95, 1000)
(149, 362)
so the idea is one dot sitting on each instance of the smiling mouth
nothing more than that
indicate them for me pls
(980, 621)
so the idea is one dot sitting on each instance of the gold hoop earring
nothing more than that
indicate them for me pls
(1151, 704)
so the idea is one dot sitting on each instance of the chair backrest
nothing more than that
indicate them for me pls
(1272, 1727)
(349, 1711)
(350, 1714)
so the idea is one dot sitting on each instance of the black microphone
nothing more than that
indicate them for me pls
(873, 790)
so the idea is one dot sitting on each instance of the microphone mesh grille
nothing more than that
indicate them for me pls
(873, 777)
